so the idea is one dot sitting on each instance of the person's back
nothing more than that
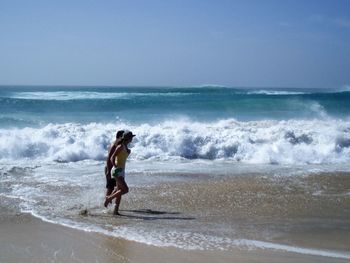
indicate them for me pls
(111, 150)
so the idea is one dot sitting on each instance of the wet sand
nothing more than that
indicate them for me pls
(24, 238)
(311, 212)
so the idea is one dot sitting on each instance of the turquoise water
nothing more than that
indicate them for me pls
(263, 126)
(35, 106)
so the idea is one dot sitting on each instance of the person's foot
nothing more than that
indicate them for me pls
(108, 200)
(116, 212)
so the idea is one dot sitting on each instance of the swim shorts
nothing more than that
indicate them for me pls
(111, 183)
(117, 171)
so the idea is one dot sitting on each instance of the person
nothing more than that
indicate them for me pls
(111, 183)
(119, 158)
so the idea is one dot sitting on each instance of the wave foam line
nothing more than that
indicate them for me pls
(299, 250)
(253, 142)
(276, 92)
(240, 243)
(88, 95)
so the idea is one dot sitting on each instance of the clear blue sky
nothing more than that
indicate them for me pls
(300, 43)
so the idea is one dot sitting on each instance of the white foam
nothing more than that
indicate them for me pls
(197, 241)
(10, 196)
(88, 95)
(276, 92)
(253, 244)
(254, 142)
(344, 88)
(189, 240)
(210, 86)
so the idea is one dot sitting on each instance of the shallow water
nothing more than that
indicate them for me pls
(189, 210)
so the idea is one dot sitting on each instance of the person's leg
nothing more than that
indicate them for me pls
(118, 198)
(107, 202)
(111, 184)
(109, 191)
(122, 189)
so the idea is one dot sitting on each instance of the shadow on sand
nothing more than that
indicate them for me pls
(149, 214)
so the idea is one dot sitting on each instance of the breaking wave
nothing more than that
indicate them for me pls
(260, 142)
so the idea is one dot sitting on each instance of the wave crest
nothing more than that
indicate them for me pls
(276, 142)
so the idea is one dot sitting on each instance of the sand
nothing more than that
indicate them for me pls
(317, 217)
(24, 238)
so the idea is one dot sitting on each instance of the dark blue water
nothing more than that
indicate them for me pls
(32, 106)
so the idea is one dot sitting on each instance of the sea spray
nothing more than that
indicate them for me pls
(260, 142)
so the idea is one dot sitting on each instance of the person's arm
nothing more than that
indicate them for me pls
(109, 165)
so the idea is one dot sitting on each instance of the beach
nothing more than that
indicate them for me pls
(302, 227)
(24, 238)
(175, 131)
(215, 175)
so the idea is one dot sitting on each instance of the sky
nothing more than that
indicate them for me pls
(247, 43)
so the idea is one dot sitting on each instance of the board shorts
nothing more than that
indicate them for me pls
(111, 183)
(117, 172)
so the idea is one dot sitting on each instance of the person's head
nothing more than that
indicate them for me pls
(119, 137)
(127, 136)
(119, 134)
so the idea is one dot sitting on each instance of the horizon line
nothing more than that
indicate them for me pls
(172, 86)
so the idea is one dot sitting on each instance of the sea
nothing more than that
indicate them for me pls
(211, 167)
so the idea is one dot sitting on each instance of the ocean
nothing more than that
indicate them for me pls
(211, 167)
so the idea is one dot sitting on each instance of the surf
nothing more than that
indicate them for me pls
(253, 142)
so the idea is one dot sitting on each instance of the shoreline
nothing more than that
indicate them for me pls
(248, 218)
(25, 237)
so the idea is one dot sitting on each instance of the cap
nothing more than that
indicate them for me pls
(128, 135)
